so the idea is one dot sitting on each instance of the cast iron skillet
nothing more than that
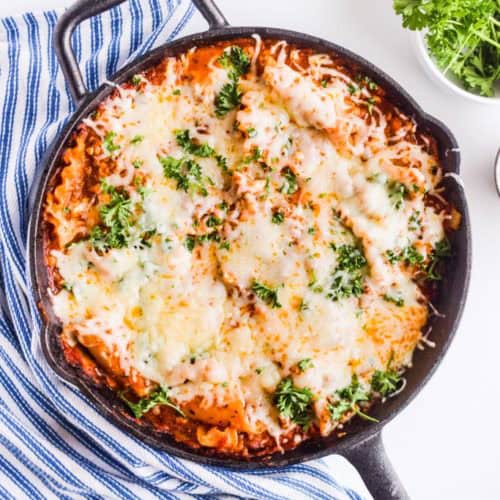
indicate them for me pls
(362, 445)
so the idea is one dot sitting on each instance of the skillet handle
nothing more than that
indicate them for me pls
(371, 461)
(209, 10)
(83, 9)
(72, 17)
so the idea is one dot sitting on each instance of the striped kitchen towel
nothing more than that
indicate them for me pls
(53, 442)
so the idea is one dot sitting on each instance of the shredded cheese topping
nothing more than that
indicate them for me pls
(285, 238)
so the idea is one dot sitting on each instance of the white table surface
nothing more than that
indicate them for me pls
(446, 444)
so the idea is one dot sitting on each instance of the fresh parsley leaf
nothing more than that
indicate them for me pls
(251, 132)
(227, 99)
(116, 219)
(137, 163)
(254, 157)
(267, 294)
(398, 301)
(290, 184)
(137, 139)
(462, 36)
(108, 144)
(294, 403)
(278, 217)
(347, 400)
(186, 173)
(213, 221)
(176, 92)
(236, 60)
(385, 382)
(398, 192)
(157, 397)
(414, 221)
(441, 250)
(305, 364)
(349, 274)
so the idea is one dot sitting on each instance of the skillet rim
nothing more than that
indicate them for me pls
(109, 406)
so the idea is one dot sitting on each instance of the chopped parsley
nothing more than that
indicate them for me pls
(136, 80)
(254, 157)
(349, 273)
(116, 216)
(157, 397)
(251, 132)
(109, 145)
(137, 163)
(225, 245)
(227, 99)
(347, 400)
(305, 364)
(398, 192)
(385, 382)
(290, 184)
(213, 221)
(278, 217)
(414, 221)
(237, 62)
(186, 173)
(267, 294)
(202, 150)
(398, 301)
(411, 257)
(176, 92)
(137, 139)
(441, 250)
(294, 403)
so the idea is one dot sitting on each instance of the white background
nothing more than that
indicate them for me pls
(446, 445)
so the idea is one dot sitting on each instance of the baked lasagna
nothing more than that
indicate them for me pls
(243, 242)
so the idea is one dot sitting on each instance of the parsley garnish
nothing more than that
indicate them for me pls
(278, 217)
(203, 150)
(186, 172)
(398, 301)
(137, 163)
(385, 382)
(254, 157)
(411, 257)
(267, 294)
(116, 218)
(109, 146)
(176, 92)
(463, 37)
(398, 192)
(414, 221)
(158, 397)
(349, 273)
(305, 364)
(136, 79)
(347, 400)
(290, 184)
(137, 139)
(441, 250)
(251, 132)
(294, 403)
(237, 62)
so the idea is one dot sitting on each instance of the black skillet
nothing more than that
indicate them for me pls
(362, 444)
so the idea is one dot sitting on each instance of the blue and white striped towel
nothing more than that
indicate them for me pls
(53, 442)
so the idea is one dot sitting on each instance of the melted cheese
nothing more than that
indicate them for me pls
(189, 319)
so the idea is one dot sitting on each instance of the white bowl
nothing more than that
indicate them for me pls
(448, 81)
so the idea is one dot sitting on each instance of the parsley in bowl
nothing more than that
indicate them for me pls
(459, 43)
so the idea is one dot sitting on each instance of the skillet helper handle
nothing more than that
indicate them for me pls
(209, 10)
(78, 12)
(371, 461)
(83, 9)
